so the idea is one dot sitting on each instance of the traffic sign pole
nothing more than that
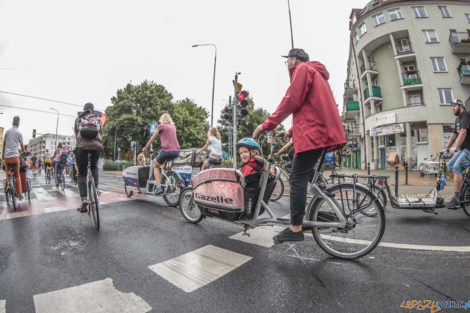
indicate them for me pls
(234, 118)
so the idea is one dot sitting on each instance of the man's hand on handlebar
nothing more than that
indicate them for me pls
(144, 149)
(258, 130)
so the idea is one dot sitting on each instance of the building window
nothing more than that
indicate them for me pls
(362, 29)
(444, 11)
(445, 95)
(438, 64)
(403, 45)
(422, 135)
(378, 19)
(395, 14)
(414, 100)
(467, 15)
(430, 35)
(356, 37)
(420, 12)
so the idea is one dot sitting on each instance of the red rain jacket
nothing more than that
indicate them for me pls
(316, 122)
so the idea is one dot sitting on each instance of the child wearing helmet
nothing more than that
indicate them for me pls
(248, 149)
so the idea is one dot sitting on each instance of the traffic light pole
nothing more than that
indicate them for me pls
(234, 119)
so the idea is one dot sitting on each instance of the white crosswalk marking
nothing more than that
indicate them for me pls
(3, 304)
(200, 267)
(99, 296)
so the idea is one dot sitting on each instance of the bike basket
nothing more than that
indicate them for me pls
(219, 189)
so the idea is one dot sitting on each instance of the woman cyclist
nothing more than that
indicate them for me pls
(169, 144)
(215, 147)
(56, 162)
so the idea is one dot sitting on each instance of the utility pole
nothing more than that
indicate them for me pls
(234, 117)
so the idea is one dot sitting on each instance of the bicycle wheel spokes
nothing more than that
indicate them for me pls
(362, 232)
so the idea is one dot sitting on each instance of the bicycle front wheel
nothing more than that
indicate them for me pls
(278, 190)
(93, 209)
(361, 234)
(171, 188)
(188, 208)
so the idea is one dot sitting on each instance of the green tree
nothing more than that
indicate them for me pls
(135, 107)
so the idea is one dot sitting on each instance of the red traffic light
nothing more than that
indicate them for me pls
(242, 95)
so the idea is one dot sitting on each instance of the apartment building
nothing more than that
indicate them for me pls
(40, 144)
(407, 61)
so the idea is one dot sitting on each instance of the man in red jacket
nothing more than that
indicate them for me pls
(316, 125)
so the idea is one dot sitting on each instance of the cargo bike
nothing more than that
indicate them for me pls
(333, 213)
(175, 175)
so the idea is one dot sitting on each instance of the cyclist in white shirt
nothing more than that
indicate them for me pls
(215, 147)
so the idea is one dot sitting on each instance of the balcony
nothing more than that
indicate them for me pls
(464, 74)
(350, 87)
(368, 70)
(375, 92)
(412, 81)
(405, 53)
(352, 106)
(460, 42)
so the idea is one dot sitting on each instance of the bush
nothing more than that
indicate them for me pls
(116, 166)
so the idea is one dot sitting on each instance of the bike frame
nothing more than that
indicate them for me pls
(163, 171)
(315, 189)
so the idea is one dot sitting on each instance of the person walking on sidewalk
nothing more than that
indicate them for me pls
(316, 125)
(10, 155)
(461, 150)
(87, 132)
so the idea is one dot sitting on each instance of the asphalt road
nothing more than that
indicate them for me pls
(147, 258)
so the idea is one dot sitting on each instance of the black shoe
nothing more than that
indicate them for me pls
(453, 203)
(288, 235)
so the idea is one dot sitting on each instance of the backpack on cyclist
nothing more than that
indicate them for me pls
(63, 157)
(89, 125)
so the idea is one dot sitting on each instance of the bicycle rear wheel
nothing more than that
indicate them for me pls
(171, 188)
(62, 183)
(28, 189)
(93, 209)
(13, 193)
(278, 190)
(361, 234)
(466, 197)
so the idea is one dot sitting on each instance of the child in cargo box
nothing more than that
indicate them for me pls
(253, 165)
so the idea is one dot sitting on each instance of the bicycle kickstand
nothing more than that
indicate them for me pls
(246, 227)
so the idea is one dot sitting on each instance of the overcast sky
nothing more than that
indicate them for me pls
(81, 51)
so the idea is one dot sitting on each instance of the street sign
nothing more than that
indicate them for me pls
(329, 157)
(239, 86)
(153, 128)
(134, 145)
(118, 149)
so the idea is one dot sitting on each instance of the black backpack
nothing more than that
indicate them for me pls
(63, 157)
(89, 125)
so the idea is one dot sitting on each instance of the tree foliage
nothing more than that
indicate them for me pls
(135, 107)
(246, 127)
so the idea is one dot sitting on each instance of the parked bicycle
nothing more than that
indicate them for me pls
(333, 213)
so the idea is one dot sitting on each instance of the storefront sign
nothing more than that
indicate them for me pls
(381, 131)
(385, 119)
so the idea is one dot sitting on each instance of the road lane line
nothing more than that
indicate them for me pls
(200, 267)
(402, 245)
(94, 297)
(3, 304)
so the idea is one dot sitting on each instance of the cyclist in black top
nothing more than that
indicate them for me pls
(461, 151)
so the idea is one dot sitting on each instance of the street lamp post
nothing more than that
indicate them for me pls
(290, 22)
(213, 78)
(56, 127)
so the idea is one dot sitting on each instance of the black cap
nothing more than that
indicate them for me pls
(299, 54)
(88, 107)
